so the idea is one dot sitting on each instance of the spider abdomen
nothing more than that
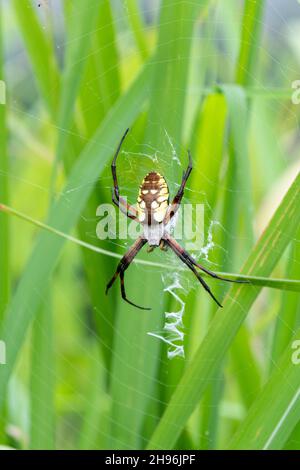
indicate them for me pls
(153, 199)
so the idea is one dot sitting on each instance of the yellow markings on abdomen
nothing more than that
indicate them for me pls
(153, 199)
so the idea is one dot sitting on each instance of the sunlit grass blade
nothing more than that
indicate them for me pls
(42, 58)
(276, 411)
(48, 248)
(224, 327)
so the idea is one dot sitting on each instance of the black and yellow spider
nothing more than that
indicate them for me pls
(155, 213)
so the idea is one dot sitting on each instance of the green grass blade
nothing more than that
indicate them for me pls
(237, 168)
(133, 390)
(102, 75)
(237, 108)
(4, 187)
(276, 411)
(101, 80)
(293, 442)
(208, 151)
(250, 43)
(5, 283)
(80, 30)
(42, 57)
(288, 319)
(42, 381)
(208, 145)
(249, 380)
(90, 164)
(168, 96)
(86, 57)
(95, 420)
(137, 28)
(226, 324)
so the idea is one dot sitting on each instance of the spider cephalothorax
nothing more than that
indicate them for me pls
(155, 214)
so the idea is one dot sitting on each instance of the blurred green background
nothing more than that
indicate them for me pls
(219, 78)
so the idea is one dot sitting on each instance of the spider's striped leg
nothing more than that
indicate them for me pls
(128, 210)
(207, 271)
(114, 166)
(119, 201)
(183, 255)
(123, 293)
(123, 265)
(173, 208)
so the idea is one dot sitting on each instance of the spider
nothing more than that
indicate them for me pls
(155, 213)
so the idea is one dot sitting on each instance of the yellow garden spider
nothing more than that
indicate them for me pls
(155, 213)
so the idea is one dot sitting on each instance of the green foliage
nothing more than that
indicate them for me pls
(81, 369)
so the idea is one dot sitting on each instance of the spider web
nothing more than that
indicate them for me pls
(176, 282)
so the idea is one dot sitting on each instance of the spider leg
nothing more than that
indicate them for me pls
(125, 208)
(123, 293)
(182, 254)
(163, 246)
(216, 276)
(123, 265)
(174, 206)
(207, 271)
(119, 201)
